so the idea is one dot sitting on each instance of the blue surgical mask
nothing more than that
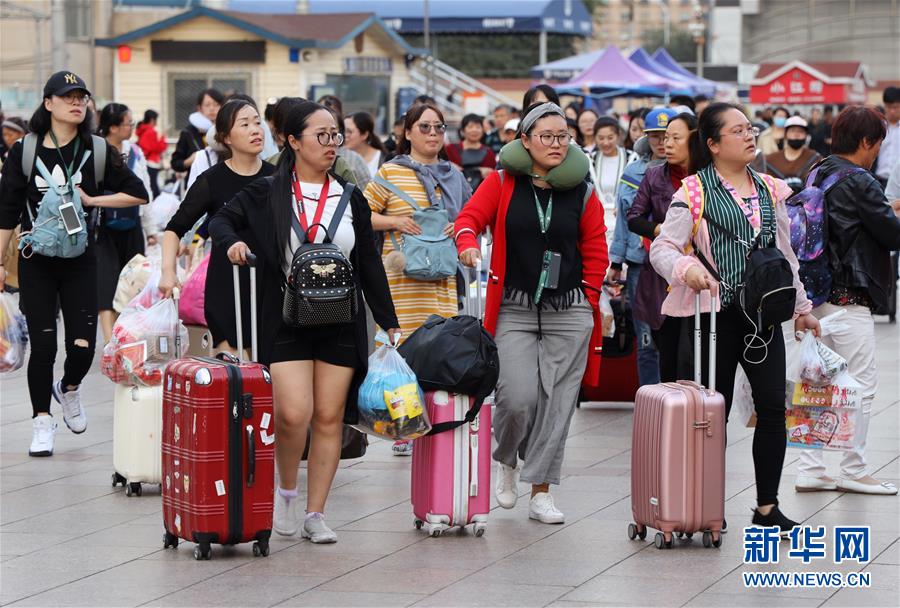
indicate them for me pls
(779, 121)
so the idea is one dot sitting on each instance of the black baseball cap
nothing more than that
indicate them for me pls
(64, 82)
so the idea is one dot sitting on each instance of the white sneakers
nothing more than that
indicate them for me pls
(507, 485)
(542, 509)
(43, 428)
(73, 411)
(316, 531)
(286, 520)
(402, 447)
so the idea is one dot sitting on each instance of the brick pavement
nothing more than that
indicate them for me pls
(68, 539)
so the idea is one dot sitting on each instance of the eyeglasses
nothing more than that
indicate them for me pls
(743, 133)
(426, 128)
(562, 139)
(73, 98)
(326, 138)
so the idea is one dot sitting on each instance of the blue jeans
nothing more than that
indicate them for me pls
(647, 355)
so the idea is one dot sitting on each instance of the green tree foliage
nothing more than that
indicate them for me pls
(681, 44)
(495, 55)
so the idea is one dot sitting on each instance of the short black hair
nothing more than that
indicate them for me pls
(700, 98)
(891, 95)
(214, 94)
(683, 100)
(548, 91)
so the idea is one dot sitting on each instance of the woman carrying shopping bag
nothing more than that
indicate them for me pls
(549, 241)
(414, 183)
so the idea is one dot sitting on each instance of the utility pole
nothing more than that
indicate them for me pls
(697, 28)
(429, 60)
(58, 35)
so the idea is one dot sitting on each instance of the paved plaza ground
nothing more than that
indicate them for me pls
(68, 539)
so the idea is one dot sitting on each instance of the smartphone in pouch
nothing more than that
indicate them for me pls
(551, 268)
(70, 216)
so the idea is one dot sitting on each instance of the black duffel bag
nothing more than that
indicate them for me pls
(456, 355)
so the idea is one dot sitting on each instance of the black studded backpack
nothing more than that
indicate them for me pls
(320, 288)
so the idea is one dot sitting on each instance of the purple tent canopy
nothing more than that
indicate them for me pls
(664, 59)
(612, 71)
(681, 85)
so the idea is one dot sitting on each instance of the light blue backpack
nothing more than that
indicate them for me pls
(430, 256)
(48, 236)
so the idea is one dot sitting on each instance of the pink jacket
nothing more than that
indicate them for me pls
(668, 257)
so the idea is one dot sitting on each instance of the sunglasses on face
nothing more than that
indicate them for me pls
(426, 128)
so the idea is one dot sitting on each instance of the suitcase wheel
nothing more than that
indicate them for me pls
(684, 536)
(202, 551)
(712, 539)
(170, 540)
(479, 529)
(261, 548)
(418, 523)
(637, 531)
(661, 542)
(133, 489)
(118, 479)
(435, 532)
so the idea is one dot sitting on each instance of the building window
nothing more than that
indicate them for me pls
(184, 88)
(79, 17)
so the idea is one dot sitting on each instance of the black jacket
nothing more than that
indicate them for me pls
(862, 231)
(189, 141)
(252, 208)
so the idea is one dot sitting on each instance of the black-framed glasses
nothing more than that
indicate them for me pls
(326, 138)
(562, 139)
(425, 128)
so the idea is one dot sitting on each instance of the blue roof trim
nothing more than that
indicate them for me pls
(202, 11)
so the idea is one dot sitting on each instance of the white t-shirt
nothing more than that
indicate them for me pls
(345, 237)
(608, 174)
(373, 164)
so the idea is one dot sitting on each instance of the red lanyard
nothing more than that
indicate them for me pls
(301, 208)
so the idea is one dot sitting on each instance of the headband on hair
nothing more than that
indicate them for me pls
(8, 124)
(545, 109)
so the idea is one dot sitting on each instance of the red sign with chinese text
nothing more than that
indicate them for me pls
(797, 86)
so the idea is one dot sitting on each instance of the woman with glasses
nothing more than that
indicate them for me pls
(119, 233)
(548, 243)
(239, 133)
(65, 151)
(736, 202)
(416, 177)
(316, 372)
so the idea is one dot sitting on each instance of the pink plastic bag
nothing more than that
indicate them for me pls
(190, 307)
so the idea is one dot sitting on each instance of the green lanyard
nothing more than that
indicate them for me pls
(544, 221)
(68, 168)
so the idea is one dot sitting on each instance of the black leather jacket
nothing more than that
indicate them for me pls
(862, 231)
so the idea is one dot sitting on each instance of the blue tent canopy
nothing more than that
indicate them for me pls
(681, 85)
(662, 57)
(471, 16)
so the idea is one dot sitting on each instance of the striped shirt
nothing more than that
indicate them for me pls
(414, 300)
(723, 208)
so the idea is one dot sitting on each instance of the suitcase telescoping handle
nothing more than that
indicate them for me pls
(698, 332)
(478, 313)
(176, 296)
(239, 325)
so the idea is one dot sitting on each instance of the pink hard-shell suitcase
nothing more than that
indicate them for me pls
(678, 455)
(451, 471)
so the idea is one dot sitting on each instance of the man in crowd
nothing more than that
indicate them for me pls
(890, 148)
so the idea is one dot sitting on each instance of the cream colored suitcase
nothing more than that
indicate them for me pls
(137, 432)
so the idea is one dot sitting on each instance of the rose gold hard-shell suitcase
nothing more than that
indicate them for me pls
(678, 454)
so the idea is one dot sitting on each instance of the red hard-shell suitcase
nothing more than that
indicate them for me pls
(218, 456)
(678, 455)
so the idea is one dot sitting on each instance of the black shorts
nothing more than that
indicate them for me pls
(334, 344)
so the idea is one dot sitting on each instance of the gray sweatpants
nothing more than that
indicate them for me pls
(538, 386)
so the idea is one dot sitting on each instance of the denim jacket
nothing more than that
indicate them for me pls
(626, 246)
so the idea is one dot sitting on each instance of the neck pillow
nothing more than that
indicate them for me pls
(516, 160)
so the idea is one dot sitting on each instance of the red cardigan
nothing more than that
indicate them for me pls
(488, 208)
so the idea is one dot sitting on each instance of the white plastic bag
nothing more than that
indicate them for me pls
(824, 417)
(391, 403)
(811, 361)
(742, 408)
(143, 343)
(13, 334)
(609, 317)
(162, 208)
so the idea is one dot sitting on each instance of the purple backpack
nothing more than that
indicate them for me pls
(807, 213)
